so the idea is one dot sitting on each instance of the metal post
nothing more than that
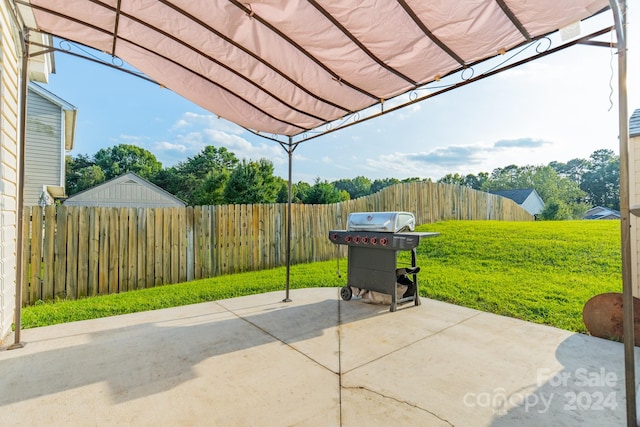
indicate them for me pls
(290, 149)
(19, 241)
(619, 11)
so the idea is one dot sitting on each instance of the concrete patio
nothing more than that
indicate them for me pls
(317, 361)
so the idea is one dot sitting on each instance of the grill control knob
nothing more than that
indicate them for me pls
(347, 239)
(373, 240)
(384, 241)
(356, 239)
(365, 240)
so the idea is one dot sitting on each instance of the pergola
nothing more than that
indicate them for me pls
(294, 70)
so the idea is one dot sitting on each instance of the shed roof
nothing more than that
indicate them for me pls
(518, 195)
(600, 212)
(127, 190)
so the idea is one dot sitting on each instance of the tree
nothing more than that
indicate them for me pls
(356, 187)
(573, 169)
(471, 180)
(455, 179)
(476, 181)
(201, 179)
(379, 184)
(301, 190)
(211, 190)
(552, 188)
(208, 159)
(81, 173)
(601, 179)
(171, 180)
(509, 178)
(298, 192)
(123, 158)
(556, 210)
(252, 182)
(323, 192)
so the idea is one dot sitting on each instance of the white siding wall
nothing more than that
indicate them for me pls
(634, 199)
(43, 156)
(532, 205)
(9, 77)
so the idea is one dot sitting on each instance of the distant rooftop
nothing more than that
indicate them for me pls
(518, 196)
(599, 212)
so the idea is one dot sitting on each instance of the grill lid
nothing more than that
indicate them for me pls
(387, 222)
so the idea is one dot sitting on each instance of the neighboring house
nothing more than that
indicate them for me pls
(600, 212)
(51, 123)
(528, 198)
(128, 190)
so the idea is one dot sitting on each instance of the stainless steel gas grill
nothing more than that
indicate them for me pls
(374, 239)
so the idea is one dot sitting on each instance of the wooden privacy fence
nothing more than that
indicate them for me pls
(73, 252)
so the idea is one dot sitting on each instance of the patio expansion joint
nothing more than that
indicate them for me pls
(403, 402)
(414, 342)
(266, 332)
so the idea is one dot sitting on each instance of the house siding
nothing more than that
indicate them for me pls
(9, 112)
(43, 152)
(634, 198)
(533, 205)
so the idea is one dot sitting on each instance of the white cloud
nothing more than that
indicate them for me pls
(227, 140)
(168, 146)
(533, 71)
(408, 112)
(242, 148)
(208, 121)
(180, 124)
(521, 143)
(464, 159)
(192, 132)
(133, 138)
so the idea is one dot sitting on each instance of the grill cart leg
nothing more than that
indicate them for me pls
(416, 300)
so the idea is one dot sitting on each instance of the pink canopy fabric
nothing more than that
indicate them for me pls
(286, 67)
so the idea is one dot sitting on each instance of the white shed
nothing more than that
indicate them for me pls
(528, 198)
(128, 190)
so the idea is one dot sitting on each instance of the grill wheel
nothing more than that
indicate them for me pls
(346, 293)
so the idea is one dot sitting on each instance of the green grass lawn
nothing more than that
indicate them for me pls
(542, 272)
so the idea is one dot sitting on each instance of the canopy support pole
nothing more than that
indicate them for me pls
(619, 9)
(289, 148)
(19, 199)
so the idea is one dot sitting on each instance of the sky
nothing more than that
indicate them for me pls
(557, 108)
